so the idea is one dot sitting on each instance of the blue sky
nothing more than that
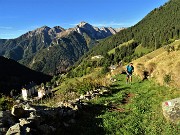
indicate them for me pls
(20, 16)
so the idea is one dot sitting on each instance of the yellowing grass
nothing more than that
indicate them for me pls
(160, 63)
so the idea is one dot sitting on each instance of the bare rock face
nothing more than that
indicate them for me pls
(94, 32)
(171, 110)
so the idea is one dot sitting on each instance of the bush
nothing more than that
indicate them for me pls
(85, 85)
(105, 69)
(167, 78)
(170, 48)
(5, 103)
(178, 47)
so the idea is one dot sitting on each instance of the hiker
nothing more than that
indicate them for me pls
(129, 71)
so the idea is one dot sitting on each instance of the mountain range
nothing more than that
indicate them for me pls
(53, 50)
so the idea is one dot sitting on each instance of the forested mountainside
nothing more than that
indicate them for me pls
(14, 75)
(160, 27)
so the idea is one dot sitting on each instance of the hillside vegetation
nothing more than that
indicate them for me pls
(163, 65)
(129, 109)
(135, 109)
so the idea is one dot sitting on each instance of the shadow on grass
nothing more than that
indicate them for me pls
(115, 90)
(87, 122)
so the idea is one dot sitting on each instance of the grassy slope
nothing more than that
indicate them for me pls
(140, 49)
(164, 64)
(124, 44)
(72, 80)
(140, 113)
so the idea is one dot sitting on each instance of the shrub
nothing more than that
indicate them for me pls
(5, 103)
(104, 70)
(84, 86)
(167, 78)
(169, 48)
(178, 47)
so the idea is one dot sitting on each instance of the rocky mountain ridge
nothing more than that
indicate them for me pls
(37, 43)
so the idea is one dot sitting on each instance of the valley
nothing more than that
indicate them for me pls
(79, 77)
(53, 50)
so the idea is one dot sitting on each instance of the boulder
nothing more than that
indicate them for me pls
(46, 129)
(24, 121)
(6, 120)
(18, 111)
(72, 121)
(18, 130)
(28, 107)
(171, 110)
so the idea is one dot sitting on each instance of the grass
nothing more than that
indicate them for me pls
(140, 49)
(130, 110)
(124, 44)
(5, 103)
(64, 85)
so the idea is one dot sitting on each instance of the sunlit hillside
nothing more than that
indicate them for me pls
(163, 64)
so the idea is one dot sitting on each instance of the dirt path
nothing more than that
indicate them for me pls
(121, 107)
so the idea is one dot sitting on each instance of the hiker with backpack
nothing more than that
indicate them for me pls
(129, 71)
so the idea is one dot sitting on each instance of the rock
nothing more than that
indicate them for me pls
(171, 110)
(14, 130)
(18, 101)
(60, 104)
(24, 121)
(3, 131)
(6, 120)
(28, 130)
(70, 112)
(81, 97)
(77, 100)
(18, 111)
(75, 108)
(61, 112)
(87, 97)
(65, 124)
(79, 106)
(85, 104)
(46, 129)
(72, 121)
(70, 105)
(106, 92)
(28, 107)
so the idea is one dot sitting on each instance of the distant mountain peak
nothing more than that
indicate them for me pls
(83, 23)
(44, 28)
(58, 27)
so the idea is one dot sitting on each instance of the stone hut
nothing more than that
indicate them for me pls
(42, 91)
(28, 90)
